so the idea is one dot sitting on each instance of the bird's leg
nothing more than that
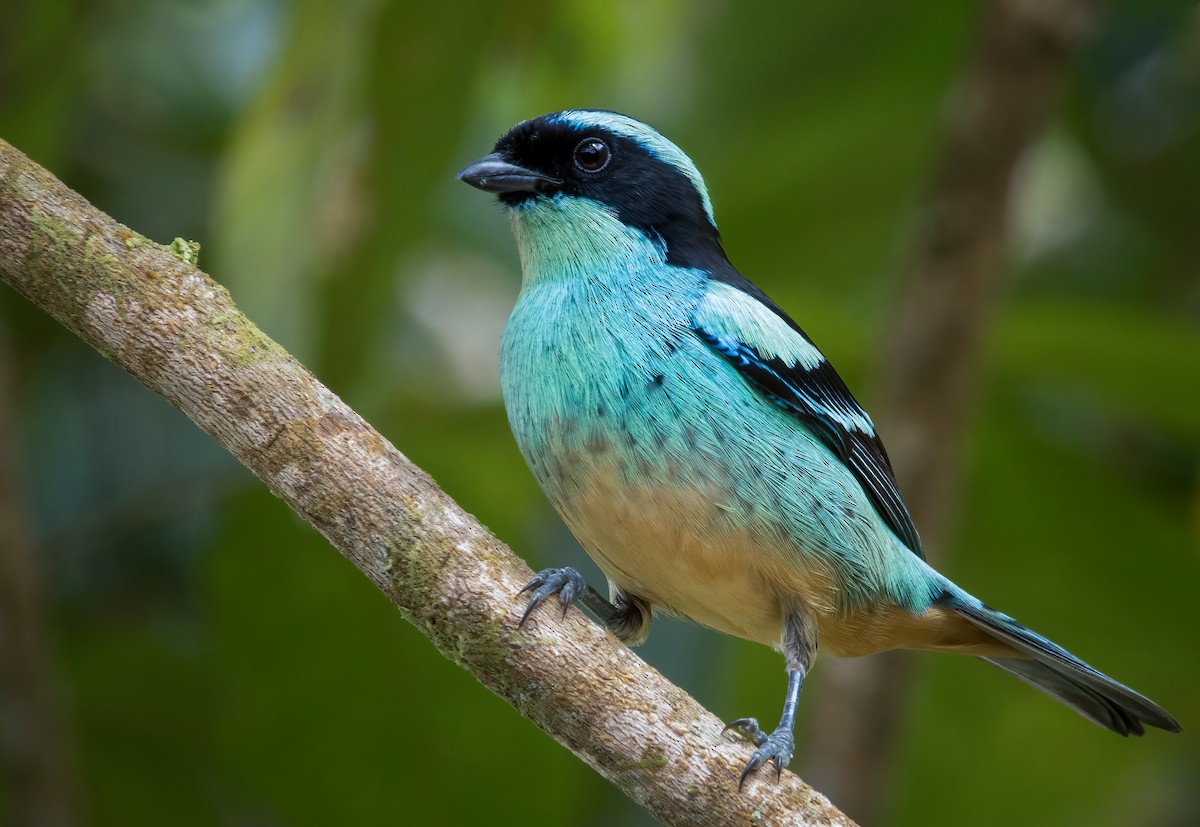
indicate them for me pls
(799, 649)
(627, 616)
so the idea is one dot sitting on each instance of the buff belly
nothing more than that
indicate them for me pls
(676, 547)
(660, 543)
(728, 513)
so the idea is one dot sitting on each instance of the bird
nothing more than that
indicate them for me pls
(702, 449)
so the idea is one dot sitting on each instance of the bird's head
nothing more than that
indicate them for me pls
(573, 172)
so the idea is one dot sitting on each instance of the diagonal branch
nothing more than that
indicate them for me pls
(179, 333)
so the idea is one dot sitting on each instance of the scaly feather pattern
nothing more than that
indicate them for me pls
(605, 379)
(698, 444)
(778, 360)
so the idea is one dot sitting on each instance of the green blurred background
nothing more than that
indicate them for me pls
(218, 663)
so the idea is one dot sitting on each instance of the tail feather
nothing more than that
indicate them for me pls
(1083, 699)
(1058, 673)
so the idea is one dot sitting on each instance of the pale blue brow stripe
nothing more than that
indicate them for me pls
(654, 143)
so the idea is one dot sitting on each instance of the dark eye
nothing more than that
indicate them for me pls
(592, 155)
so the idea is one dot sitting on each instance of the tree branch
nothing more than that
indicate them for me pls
(179, 333)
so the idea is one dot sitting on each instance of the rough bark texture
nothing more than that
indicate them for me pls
(934, 349)
(179, 333)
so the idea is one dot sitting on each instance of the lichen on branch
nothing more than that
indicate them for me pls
(148, 309)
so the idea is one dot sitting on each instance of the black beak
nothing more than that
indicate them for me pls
(491, 173)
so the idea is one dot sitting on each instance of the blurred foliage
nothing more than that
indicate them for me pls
(220, 664)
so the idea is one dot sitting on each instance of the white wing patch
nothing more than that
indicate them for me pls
(731, 311)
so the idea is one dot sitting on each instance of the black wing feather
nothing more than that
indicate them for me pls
(820, 399)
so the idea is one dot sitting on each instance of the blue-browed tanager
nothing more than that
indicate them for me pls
(698, 444)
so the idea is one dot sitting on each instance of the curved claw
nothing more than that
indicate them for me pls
(777, 749)
(749, 729)
(566, 582)
(753, 764)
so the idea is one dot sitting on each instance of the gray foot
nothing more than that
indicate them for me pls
(566, 582)
(776, 748)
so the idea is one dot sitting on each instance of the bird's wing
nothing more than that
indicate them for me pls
(777, 359)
